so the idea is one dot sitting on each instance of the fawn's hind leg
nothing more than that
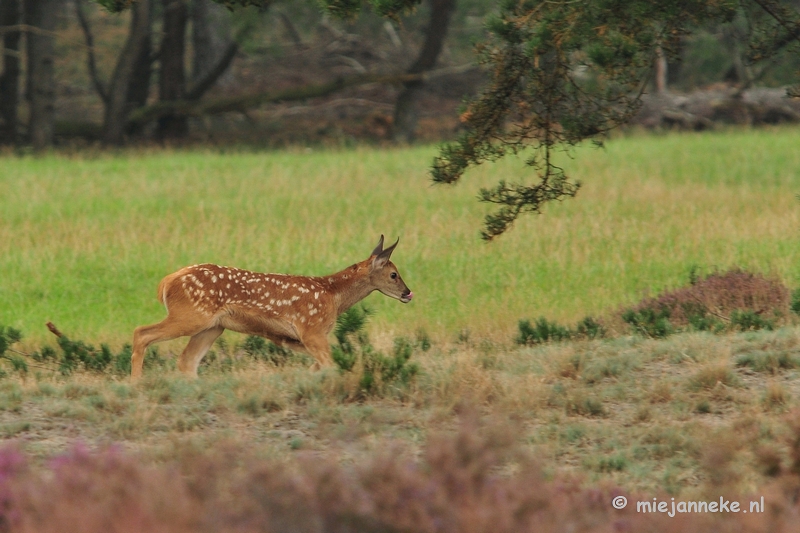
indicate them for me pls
(197, 348)
(144, 336)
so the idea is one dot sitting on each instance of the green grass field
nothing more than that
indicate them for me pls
(84, 240)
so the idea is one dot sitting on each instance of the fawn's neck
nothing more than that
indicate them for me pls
(349, 286)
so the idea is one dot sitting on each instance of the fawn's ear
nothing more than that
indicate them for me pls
(383, 256)
(378, 249)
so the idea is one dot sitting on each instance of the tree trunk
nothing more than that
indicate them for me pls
(41, 14)
(172, 83)
(139, 85)
(661, 71)
(405, 111)
(10, 15)
(116, 115)
(211, 36)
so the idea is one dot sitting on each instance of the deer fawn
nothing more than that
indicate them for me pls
(297, 312)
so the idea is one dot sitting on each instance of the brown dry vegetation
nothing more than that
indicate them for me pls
(720, 294)
(549, 432)
(474, 480)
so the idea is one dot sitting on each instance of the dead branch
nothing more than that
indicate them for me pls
(206, 82)
(239, 104)
(291, 31)
(54, 330)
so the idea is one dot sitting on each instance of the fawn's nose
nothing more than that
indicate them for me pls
(406, 296)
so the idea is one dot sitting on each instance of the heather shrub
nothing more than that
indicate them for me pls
(473, 480)
(85, 492)
(733, 300)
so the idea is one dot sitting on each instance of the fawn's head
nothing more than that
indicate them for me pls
(384, 275)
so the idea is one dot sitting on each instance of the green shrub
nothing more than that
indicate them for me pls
(77, 355)
(590, 328)
(769, 361)
(423, 340)
(543, 331)
(580, 404)
(73, 355)
(650, 322)
(353, 346)
(703, 407)
(749, 320)
(699, 318)
(261, 349)
(8, 336)
(795, 303)
(613, 463)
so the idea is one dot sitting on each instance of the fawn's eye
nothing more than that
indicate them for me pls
(394, 275)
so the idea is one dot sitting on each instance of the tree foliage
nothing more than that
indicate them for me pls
(566, 71)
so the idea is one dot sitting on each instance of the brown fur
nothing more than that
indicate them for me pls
(297, 312)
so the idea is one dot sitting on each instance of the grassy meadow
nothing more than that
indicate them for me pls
(84, 240)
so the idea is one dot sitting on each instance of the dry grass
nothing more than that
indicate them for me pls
(639, 413)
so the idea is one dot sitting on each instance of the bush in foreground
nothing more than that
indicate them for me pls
(457, 485)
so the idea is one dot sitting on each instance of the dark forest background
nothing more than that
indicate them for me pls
(187, 71)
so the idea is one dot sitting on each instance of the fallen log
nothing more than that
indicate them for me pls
(704, 109)
(244, 102)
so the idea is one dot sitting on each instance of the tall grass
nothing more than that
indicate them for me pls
(84, 240)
